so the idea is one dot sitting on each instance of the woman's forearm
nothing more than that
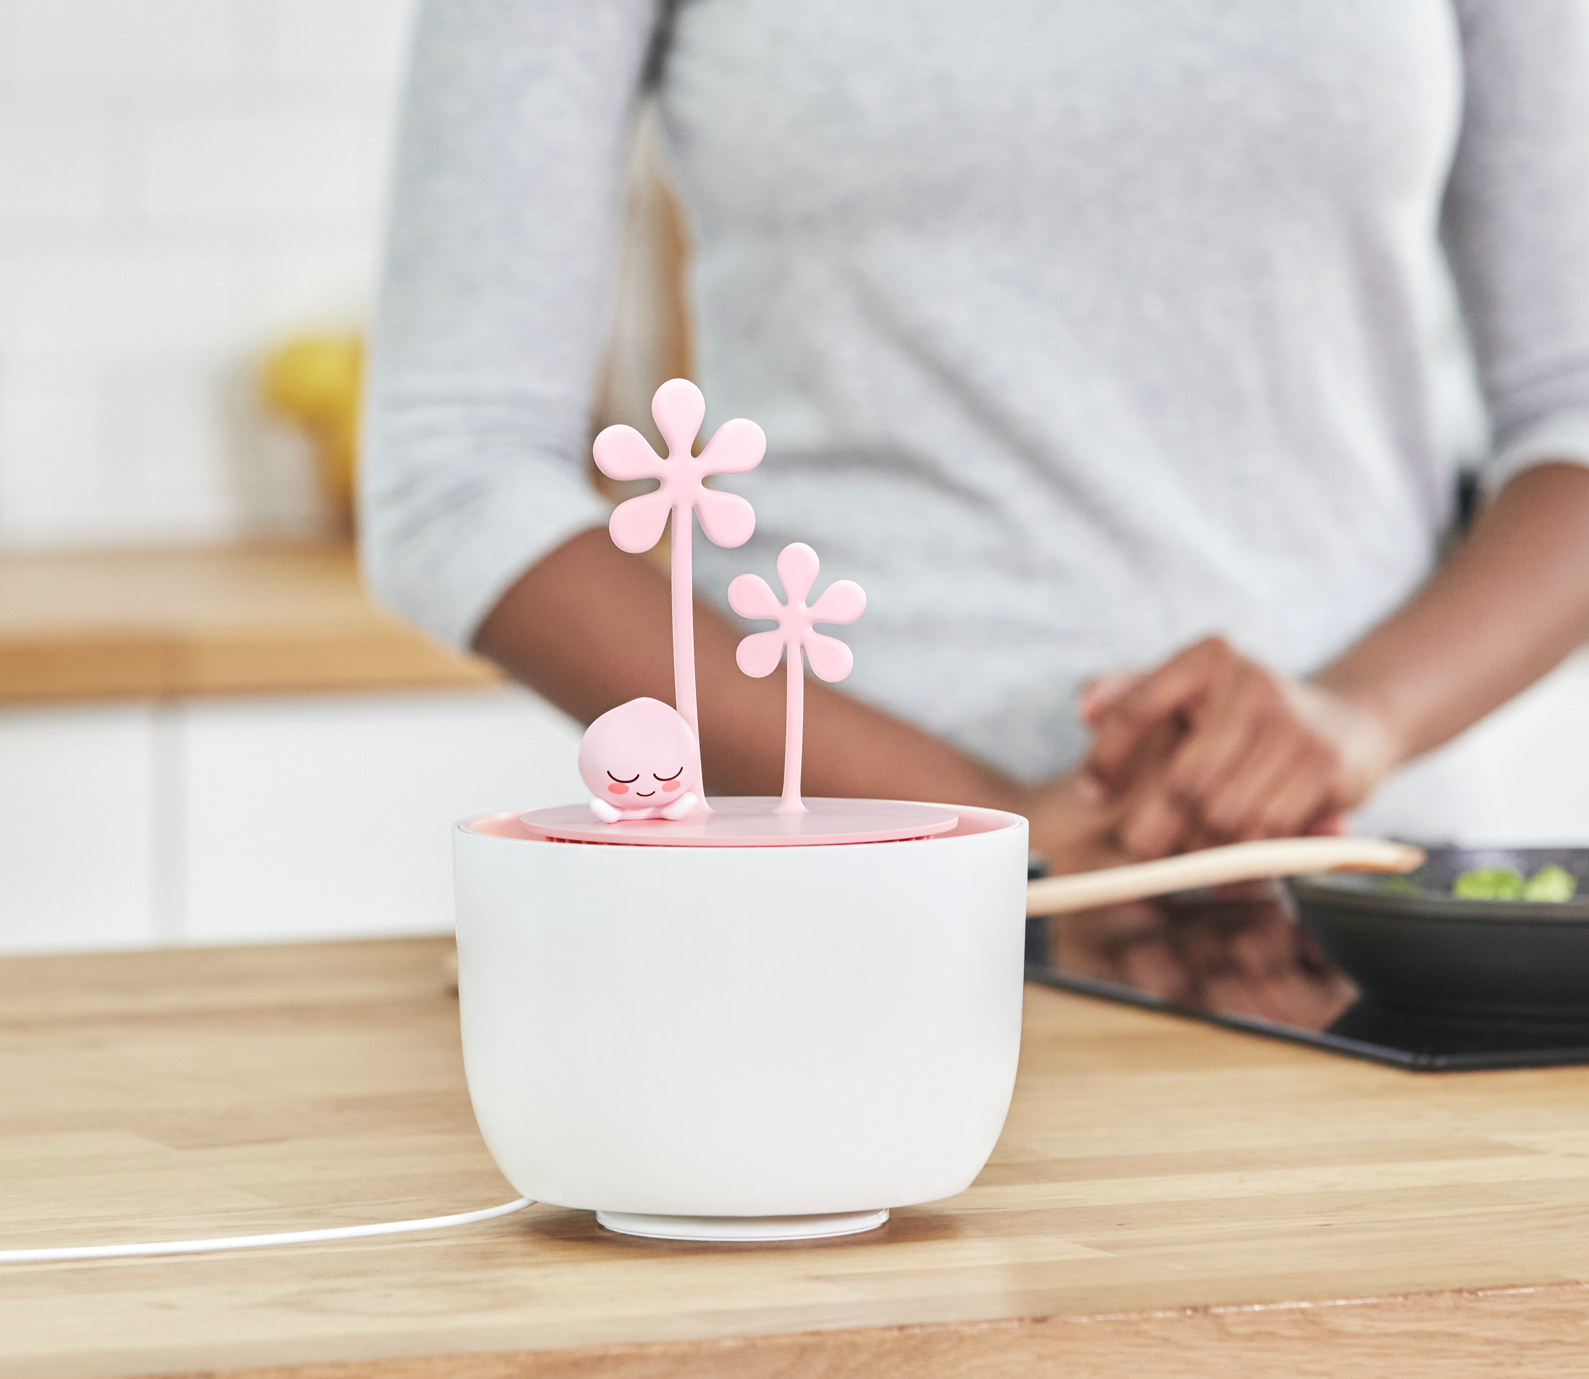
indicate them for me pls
(1509, 604)
(588, 627)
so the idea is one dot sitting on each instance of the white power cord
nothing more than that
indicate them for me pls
(249, 1242)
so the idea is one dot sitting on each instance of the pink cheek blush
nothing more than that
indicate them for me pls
(618, 789)
(670, 785)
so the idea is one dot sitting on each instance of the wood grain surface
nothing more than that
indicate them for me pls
(1167, 1198)
(217, 620)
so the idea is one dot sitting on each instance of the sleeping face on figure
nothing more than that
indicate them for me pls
(638, 762)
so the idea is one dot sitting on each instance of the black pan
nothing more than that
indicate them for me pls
(1510, 959)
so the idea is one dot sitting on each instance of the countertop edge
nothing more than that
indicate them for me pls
(1457, 1332)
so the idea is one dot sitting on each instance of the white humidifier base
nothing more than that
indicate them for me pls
(759, 1042)
(742, 1227)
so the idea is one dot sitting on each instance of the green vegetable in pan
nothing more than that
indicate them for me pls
(1489, 883)
(1551, 883)
(1398, 885)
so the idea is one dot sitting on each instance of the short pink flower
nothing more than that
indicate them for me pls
(623, 453)
(842, 601)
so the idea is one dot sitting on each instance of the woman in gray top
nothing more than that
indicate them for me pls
(1082, 334)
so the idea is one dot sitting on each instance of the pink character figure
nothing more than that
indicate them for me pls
(623, 453)
(639, 762)
(842, 601)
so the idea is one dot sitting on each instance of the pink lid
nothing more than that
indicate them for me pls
(740, 821)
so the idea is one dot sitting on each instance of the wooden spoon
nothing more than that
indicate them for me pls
(1055, 895)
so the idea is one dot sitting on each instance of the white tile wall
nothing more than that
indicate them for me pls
(91, 43)
(119, 305)
(182, 182)
(291, 283)
(53, 170)
(50, 430)
(317, 39)
(245, 173)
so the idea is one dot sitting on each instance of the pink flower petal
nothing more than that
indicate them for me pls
(678, 409)
(735, 446)
(623, 453)
(830, 658)
(759, 653)
(726, 518)
(842, 601)
(751, 597)
(637, 524)
(797, 569)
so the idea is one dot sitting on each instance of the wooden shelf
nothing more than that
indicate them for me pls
(168, 624)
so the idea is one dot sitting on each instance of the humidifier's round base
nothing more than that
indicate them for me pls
(742, 1228)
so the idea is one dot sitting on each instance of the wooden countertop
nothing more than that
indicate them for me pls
(1168, 1198)
(221, 620)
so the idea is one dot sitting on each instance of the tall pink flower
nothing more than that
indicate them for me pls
(727, 519)
(758, 654)
(623, 453)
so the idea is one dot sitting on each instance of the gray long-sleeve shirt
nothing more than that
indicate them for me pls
(1077, 330)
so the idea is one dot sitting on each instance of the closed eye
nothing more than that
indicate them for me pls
(674, 776)
(629, 780)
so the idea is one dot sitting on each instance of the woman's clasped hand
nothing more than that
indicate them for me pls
(1212, 747)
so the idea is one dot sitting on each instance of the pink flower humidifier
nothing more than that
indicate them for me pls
(735, 1018)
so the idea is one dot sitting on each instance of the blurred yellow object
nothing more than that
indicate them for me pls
(313, 382)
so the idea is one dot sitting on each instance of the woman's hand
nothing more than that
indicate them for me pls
(1072, 823)
(1214, 748)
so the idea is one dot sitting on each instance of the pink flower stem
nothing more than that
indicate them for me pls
(683, 592)
(793, 732)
